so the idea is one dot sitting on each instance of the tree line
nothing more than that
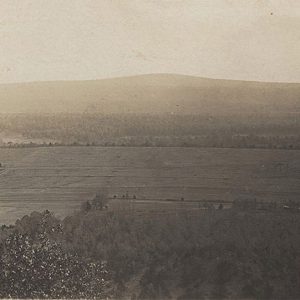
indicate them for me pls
(254, 131)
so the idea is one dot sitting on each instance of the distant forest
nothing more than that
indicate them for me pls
(160, 130)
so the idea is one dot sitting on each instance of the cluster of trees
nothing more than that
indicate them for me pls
(256, 131)
(34, 264)
(99, 202)
(219, 254)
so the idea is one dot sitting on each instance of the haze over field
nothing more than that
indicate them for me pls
(153, 94)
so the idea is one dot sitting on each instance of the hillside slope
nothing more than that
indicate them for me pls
(156, 93)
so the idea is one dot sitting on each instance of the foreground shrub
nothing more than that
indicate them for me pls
(38, 267)
(184, 255)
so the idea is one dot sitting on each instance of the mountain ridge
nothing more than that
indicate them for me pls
(146, 75)
(150, 93)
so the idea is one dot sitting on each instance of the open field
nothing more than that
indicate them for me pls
(60, 178)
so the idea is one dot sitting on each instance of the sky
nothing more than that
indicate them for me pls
(42, 40)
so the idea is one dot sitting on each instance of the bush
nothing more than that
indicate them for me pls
(208, 254)
(35, 266)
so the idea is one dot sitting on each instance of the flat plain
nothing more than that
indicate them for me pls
(61, 178)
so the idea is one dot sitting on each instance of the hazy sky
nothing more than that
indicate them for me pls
(91, 39)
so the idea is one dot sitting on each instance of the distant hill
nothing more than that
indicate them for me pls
(156, 93)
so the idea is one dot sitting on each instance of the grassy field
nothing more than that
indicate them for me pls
(60, 178)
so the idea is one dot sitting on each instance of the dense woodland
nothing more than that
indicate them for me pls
(225, 254)
(244, 131)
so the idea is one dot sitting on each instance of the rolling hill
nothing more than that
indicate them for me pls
(155, 94)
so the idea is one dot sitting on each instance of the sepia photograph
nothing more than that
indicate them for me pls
(150, 149)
